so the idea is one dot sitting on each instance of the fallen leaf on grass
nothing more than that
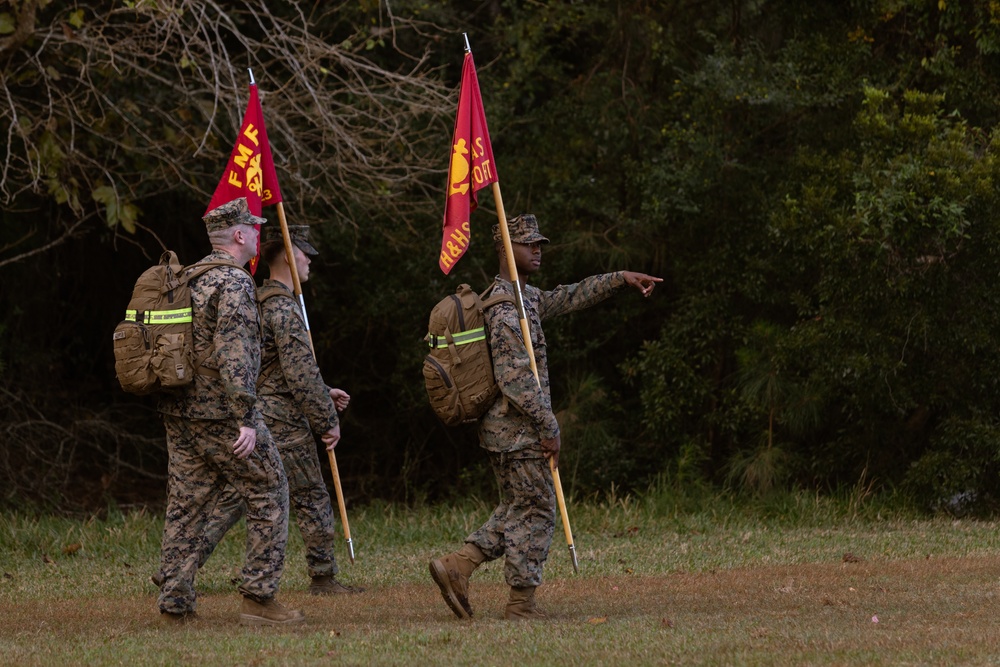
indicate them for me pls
(597, 620)
(851, 558)
(71, 549)
(666, 622)
(47, 560)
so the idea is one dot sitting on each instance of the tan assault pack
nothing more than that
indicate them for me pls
(458, 372)
(154, 343)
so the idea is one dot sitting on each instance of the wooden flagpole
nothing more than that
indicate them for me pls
(297, 289)
(526, 334)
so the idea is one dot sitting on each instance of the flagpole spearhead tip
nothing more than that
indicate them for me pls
(252, 82)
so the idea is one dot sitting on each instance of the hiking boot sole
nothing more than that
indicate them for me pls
(440, 576)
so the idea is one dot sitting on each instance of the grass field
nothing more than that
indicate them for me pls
(792, 581)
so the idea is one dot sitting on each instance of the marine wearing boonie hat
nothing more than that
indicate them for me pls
(298, 233)
(235, 212)
(522, 229)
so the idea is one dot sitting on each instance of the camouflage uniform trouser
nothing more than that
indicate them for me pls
(202, 465)
(522, 525)
(307, 494)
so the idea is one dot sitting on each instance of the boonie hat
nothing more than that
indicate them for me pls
(523, 229)
(299, 235)
(231, 213)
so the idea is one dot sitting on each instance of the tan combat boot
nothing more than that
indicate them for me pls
(521, 605)
(269, 612)
(328, 585)
(451, 573)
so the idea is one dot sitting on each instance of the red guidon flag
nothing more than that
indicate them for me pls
(250, 170)
(471, 169)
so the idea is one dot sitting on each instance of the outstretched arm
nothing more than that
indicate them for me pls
(641, 281)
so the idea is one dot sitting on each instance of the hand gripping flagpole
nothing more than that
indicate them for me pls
(297, 288)
(529, 348)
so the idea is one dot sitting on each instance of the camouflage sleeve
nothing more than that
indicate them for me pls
(237, 345)
(298, 365)
(584, 294)
(512, 368)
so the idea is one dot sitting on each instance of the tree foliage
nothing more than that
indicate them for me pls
(815, 181)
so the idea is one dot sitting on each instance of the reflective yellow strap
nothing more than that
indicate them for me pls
(182, 316)
(463, 338)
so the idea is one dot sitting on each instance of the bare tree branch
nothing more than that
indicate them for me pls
(147, 98)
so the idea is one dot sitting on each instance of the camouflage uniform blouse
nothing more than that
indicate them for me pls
(528, 419)
(291, 388)
(224, 301)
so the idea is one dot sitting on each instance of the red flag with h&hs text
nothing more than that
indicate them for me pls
(471, 169)
(250, 170)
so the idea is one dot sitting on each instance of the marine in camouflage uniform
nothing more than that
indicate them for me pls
(520, 430)
(203, 420)
(296, 404)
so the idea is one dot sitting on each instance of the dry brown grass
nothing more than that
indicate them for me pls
(917, 611)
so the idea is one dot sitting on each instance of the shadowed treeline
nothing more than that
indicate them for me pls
(815, 181)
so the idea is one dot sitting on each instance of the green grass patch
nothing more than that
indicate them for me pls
(663, 579)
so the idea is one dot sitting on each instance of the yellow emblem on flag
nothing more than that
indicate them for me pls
(459, 169)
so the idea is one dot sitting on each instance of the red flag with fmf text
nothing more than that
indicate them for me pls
(250, 170)
(471, 168)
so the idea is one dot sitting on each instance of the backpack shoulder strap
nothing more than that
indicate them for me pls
(265, 293)
(485, 301)
(199, 268)
(189, 274)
